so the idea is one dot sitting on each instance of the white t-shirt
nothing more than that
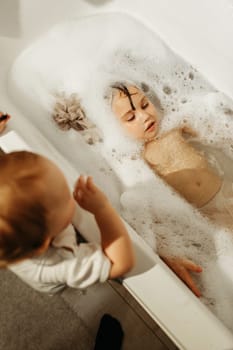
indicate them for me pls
(79, 266)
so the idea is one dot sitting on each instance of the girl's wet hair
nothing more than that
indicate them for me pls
(122, 86)
(125, 90)
(23, 220)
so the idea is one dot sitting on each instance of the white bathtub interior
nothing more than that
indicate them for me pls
(140, 286)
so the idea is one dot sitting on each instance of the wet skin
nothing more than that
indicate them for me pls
(140, 120)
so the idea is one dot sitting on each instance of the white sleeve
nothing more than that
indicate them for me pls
(88, 266)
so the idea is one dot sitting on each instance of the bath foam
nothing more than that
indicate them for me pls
(86, 56)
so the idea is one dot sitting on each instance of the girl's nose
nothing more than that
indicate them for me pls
(143, 115)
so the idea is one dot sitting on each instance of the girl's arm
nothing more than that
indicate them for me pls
(188, 131)
(115, 241)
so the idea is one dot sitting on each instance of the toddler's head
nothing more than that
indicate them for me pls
(135, 112)
(35, 205)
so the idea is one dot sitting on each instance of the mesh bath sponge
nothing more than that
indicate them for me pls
(68, 113)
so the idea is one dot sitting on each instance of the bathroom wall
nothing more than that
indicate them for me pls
(200, 31)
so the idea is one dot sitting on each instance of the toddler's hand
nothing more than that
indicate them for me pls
(88, 195)
(3, 120)
(182, 268)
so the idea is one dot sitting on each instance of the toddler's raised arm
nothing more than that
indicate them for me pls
(115, 241)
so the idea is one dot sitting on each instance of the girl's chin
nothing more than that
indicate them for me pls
(150, 135)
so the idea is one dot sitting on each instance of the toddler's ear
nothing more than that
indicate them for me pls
(43, 247)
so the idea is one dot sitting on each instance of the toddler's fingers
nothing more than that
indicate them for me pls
(79, 186)
(79, 197)
(90, 184)
(81, 183)
(80, 194)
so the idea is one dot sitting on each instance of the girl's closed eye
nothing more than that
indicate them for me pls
(130, 118)
(145, 104)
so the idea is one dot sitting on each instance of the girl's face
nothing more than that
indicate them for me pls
(138, 117)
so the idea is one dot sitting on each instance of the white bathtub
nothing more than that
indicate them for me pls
(201, 32)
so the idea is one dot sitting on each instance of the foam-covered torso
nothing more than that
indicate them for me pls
(183, 167)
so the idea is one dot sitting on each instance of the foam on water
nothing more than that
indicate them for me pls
(87, 56)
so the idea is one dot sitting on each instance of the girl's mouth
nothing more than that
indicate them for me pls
(150, 127)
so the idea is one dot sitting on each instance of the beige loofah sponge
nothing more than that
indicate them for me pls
(68, 113)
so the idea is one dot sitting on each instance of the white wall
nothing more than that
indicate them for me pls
(200, 31)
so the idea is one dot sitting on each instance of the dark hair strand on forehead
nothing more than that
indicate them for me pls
(125, 90)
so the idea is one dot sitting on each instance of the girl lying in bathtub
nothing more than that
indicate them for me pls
(176, 161)
(67, 114)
